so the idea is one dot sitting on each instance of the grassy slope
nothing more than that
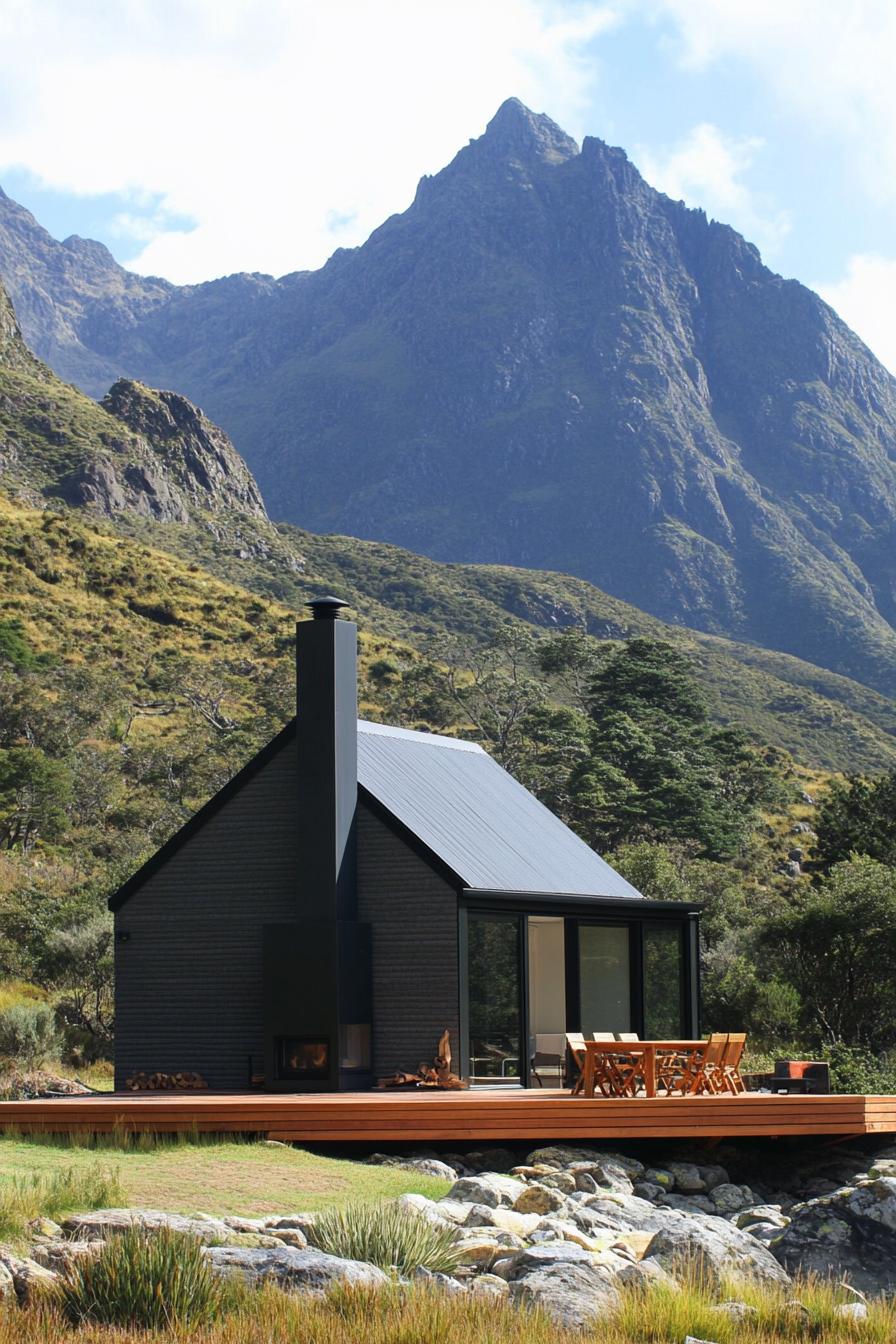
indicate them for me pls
(220, 1177)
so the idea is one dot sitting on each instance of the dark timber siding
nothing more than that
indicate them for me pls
(413, 913)
(189, 975)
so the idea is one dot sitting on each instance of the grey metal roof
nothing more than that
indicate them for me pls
(493, 833)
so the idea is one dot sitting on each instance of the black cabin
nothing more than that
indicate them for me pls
(356, 889)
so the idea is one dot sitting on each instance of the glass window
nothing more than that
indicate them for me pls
(663, 978)
(495, 996)
(604, 978)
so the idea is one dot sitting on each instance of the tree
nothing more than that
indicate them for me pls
(34, 794)
(858, 816)
(838, 950)
(657, 767)
(82, 965)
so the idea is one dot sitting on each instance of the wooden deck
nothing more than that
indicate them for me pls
(456, 1117)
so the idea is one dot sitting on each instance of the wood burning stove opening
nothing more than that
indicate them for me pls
(303, 1057)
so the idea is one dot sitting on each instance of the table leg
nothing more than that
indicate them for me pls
(588, 1083)
(649, 1062)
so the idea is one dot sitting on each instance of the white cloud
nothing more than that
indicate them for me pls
(866, 300)
(281, 128)
(828, 61)
(706, 169)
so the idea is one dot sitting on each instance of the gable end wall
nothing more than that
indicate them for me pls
(189, 975)
(413, 914)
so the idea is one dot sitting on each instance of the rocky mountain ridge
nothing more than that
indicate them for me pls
(153, 467)
(542, 362)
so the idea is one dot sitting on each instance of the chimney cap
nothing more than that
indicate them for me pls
(325, 608)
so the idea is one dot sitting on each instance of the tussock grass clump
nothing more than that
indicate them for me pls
(55, 1193)
(805, 1311)
(151, 1279)
(386, 1235)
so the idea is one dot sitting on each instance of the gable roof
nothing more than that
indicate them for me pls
(477, 819)
(464, 808)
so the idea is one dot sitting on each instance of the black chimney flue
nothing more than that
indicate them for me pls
(326, 608)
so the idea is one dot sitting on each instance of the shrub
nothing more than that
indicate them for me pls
(857, 1070)
(28, 1033)
(152, 1279)
(387, 1235)
(27, 1197)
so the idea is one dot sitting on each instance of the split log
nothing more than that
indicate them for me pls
(165, 1082)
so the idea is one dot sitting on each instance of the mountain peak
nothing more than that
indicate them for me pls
(516, 130)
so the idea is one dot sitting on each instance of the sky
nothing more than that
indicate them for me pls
(196, 138)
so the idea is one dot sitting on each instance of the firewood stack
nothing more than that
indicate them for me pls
(165, 1082)
(436, 1074)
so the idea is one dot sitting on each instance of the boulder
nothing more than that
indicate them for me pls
(100, 1224)
(713, 1175)
(484, 1245)
(716, 1250)
(641, 1275)
(573, 1293)
(7, 1282)
(30, 1280)
(490, 1189)
(290, 1236)
(540, 1199)
(454, 1211)
(688, 1178)
(660, 1176)
(762, 1213)
(433, 1212)
(490, 1159)
(848, 1234)
(301, 1271)
(729, 1198)
(521, 1224)
(688, 1203)
(44, 1227)
(61, 1255)
(425, 1166)
(647, 1190)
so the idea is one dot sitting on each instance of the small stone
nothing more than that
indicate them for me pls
(45, 1227)
(489, 1285)
(290, 1236)
(273, 1143)
(737, 1311)
(854, 1311)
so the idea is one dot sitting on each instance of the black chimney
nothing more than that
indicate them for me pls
(317, 969)
(327, 743)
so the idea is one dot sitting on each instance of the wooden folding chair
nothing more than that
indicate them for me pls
(575, 1044)
(626, 1067)
(730, 1063)
(703, 1072)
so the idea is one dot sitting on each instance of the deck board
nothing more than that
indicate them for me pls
(384, 1117)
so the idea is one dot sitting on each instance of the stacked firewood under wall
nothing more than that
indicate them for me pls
(436, 1074)
(165, 1082)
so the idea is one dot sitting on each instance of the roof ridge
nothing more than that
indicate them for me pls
(439, 739)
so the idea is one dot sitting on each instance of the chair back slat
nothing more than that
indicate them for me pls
(734, 1050)
(715, 1048)
(602, 1036)
(627, 1036)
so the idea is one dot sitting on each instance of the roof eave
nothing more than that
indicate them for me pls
(640, 903)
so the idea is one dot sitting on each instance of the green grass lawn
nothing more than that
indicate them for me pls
(216, 1177)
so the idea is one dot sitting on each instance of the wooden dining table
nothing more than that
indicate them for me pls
(646, 1052)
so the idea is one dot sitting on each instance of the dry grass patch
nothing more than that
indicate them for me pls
(423, 1316)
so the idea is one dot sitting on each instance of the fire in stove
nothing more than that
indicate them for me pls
(302, 1057)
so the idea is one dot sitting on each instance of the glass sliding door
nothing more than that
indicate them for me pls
(605, 991)
(495, 990)
(664, 1017)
